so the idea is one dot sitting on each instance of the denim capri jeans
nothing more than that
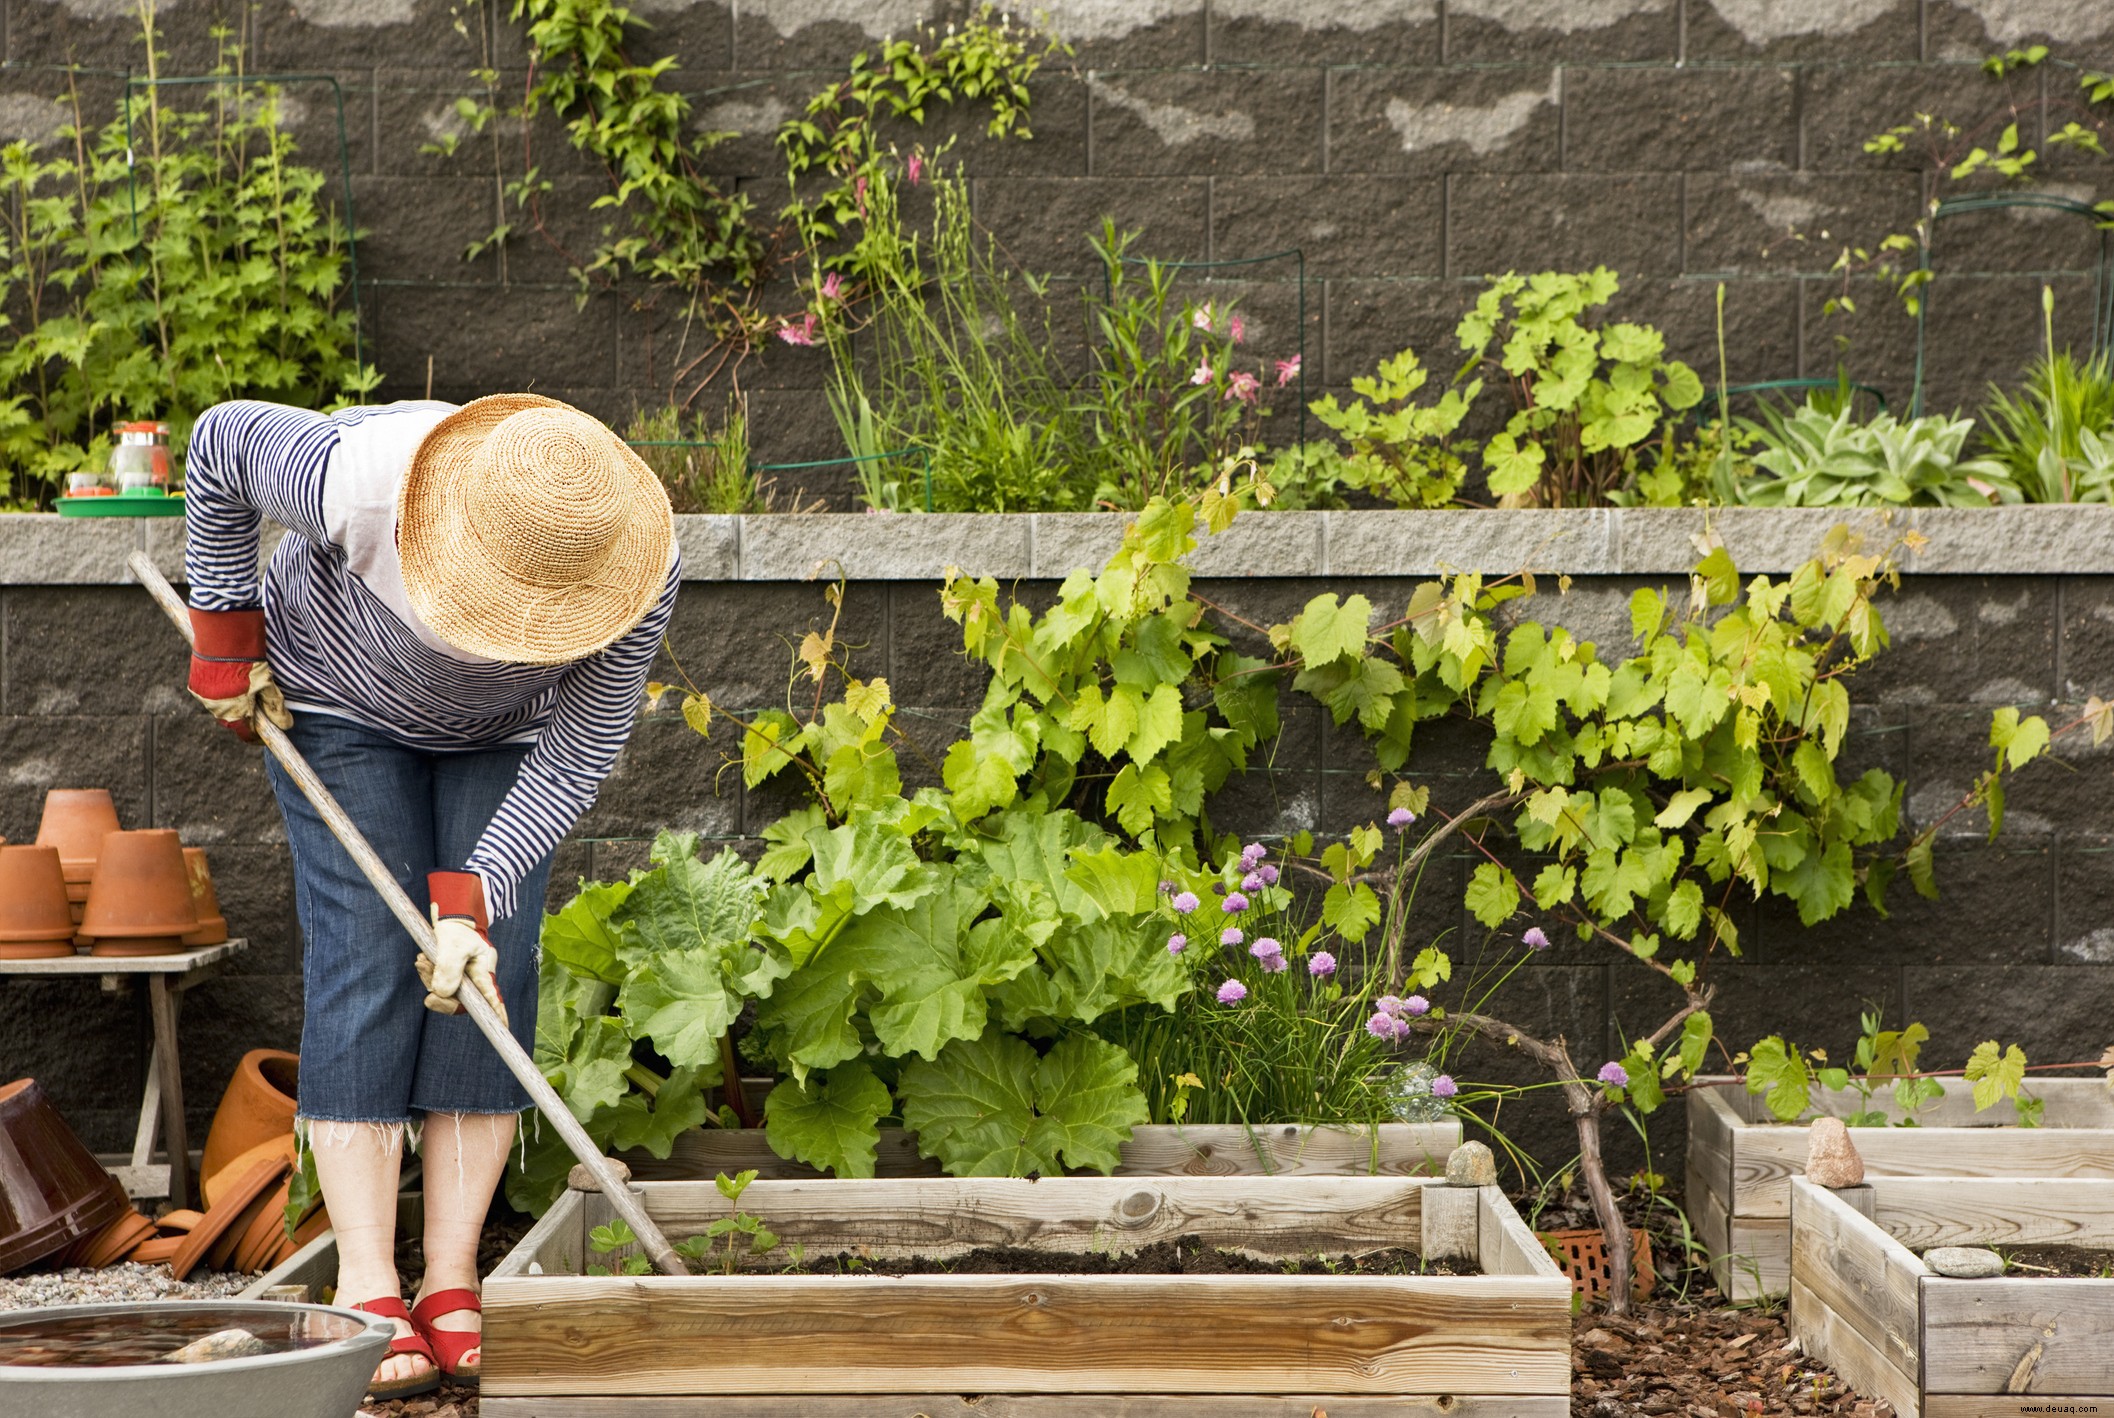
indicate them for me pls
(371, 1052)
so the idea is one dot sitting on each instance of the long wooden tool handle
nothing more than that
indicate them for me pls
(421, 931)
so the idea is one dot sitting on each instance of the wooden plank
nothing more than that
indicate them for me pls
(1826, 1335)
(1391, 1149)
(1866, 1277)
(1000, 1405)
(1192, 1334)
(1749, 1260)
(944, 1216)
(2018, 1336)
(557, 1243)
(2025, 1405)
(315, 1265)
(1713, 1118)
(1765, 1159)
(163, 1004)
(1508, 1247)
(1922, 1212)
(182, 962)
(1452, 1222)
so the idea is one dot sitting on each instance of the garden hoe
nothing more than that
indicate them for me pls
(510, 1051)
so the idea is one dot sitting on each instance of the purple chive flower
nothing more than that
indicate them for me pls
(1268, 874)
(1177, 943)
(1536, 938)
(1321, 963)
(1614, 1075)
(1166, 888)
(1273, 964)
(1444, 1087)
(1416, 1004)
(1253, 881)
(1235, 904)
(1253, 853)
(1389, 1005)
(1384, 1026)
(1400, 818)
(1185, 902)
(1231, 936)
(1232, 992)
(1269, 953)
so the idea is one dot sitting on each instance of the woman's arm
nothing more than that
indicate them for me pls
(247, 461)
(598, 704)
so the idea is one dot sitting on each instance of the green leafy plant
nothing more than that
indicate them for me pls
(606, 1241)
(1587, 396)
(706, 468)
(1400, 450)
(1813, 458)
(2057, 436)
(729, 1231)
(162, 266)
(1787, 1078)
(641, 980)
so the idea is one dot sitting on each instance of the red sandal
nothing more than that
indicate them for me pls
(452, 1344)
(390, 1307)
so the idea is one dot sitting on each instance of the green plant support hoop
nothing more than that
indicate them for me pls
(2102, 274)
(923, 455)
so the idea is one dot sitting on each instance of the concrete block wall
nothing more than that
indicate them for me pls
(2012, 608)
(1408, 147)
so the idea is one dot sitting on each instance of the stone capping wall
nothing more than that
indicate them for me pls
(2042, 540)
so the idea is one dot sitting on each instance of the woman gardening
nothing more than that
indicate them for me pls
(455, 634)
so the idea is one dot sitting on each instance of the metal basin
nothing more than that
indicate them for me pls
(92, 1361)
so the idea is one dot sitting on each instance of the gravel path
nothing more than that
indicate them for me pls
(129, 1281)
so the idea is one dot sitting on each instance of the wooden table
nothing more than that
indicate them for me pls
(167, 976)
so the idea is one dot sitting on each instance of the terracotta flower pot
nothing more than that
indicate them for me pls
(256, 1108)
(52, 1192)
(212, 926)
(76, 820)
(140, 902)
(34, 921)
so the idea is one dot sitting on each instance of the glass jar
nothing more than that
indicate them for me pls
(87, 484)
(140, 462)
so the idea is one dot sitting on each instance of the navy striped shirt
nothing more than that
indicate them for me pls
(342, 638)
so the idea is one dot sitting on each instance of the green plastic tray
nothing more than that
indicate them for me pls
(123, 505)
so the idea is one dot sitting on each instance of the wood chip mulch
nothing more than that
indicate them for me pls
(1686, 1360)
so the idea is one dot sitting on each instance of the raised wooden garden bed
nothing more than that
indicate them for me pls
(1863, 1301)
(1196, 1150)
(1741, 1162)
(562, 1344)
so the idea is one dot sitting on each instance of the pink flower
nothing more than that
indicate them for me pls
(1201, 319)
(1232, 992)
(1203, 373)
(1234, 904)
(801, 334)
(1242, 385)
(1385, 1026)
(1287, 370)
(915, 168)
(833, 286)
(1177, 943)
(1240, 331)
(1416, 1004)
(1253, 881)
(1264, 948)
(1444, 1087)
(1614, 1075)
(1269, 874)
(1231, 936)
(1321, 963)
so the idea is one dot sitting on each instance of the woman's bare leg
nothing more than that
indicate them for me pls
(357, 1164)
(465, 1156)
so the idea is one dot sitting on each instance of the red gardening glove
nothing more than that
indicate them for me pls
(228, 671)
(462, 937)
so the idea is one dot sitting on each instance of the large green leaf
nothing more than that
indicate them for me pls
(677, 1106)
(831, 1121)
(591, 1074)
(683, 1003)
(686, 904)
(1087, 1090)
(990, 1108)
(583, 938)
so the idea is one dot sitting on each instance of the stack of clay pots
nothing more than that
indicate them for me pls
(249, 1169)
(124, 893)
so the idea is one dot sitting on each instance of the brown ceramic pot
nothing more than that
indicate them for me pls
(257, 1108)
(212, 926)
(52, 1192)
(34, 921)
(140, 901)
(76, 820)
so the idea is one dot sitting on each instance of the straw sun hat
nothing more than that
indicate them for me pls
(529, 532)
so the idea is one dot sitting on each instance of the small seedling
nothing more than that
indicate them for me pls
(701, 1250)
(605, 1240)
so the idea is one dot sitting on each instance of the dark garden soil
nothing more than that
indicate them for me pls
(2050, 1262)
(1186, 1255)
